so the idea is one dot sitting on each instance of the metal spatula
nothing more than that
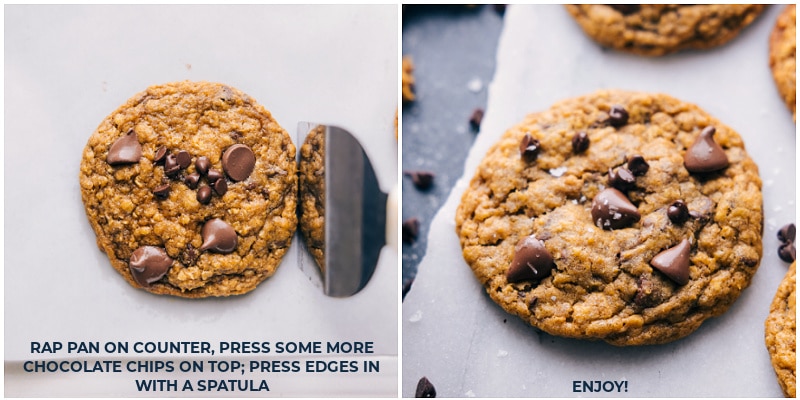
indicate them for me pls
(345, 217)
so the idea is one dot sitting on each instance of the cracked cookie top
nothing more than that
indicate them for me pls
(191, 189)
(620, 216)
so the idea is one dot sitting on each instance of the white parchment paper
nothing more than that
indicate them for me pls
(67, 67)
(467, 346)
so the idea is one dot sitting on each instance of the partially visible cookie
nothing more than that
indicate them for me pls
(780, 333)
(658, 29)
(408, 79)
(619, 216)
(782, 59)
(191, 189)
(312, 194)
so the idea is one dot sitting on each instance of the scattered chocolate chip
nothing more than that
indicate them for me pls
(580, 142)
(617, 116)
(638, 165)
(705, 155)
(192, 180)
(410, 230)
(425, 389)
(204, 194)
(529, 147)
(625, 9)
(674, 262)
(213, 175)
(218, 236)
(149, 264)
(677, 212)
(238, 162)
(476, 118)
(787, 233)
(202, 164)
(787, 252)
(531, 261)
(183, 158)
(171, 167)
(220, 186)
(161, 152)
(612, 210)
(125, 150)
(422, 179)
(161, 191)
(621, 179)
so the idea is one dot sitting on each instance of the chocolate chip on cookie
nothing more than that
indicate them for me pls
(705, 155)
(125, 150)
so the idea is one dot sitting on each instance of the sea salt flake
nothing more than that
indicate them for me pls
(557, 172)
(502, 353)
(470, 393)
(416, 317)
(475, 85)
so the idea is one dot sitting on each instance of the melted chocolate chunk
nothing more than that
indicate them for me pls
(531, 261)
(674, 262)
(638, 165)
(476, 118)
(787, 233)
(617, 116)
(425, 389)
(183, 158)
(611, 209)
(621, 179)
(677, 212)
(220, 186)
(213, 175)
(787, 252)
(529, 147)
(148, 264)
(192, 180)
(204, 194)
(161, 153)
(202, 164)
(410, 230)
(219, 236)
(171, 167)
(580, 142)
(161, 191)
(705, 155)
(238, 162)
(125, 150)
(422, 180)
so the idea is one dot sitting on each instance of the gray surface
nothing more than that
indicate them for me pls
(453, 48)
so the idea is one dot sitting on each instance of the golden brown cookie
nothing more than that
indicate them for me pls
(312, 194)
(191, 189)
(618, 216)
(782, 59)
(408, 79)
(658, 29)
(780, 333)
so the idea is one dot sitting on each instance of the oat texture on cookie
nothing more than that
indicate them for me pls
(618, 216)
(782, 57)
(191, 190)
(781, 333)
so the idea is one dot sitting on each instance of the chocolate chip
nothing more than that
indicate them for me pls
(213, 175)
(625, 9)
(787, 251)
(161, 191)
(425, 389)
(218, 236)
(149, 264)
(580, 142)
(677, 212)
(220, 186)
(238, 162)
(476, 118)
(410, 230)
(638, 165)
(647, 293)
(422, 179)
(192, 180)
(531, 261)
(674, 262)
(184, 159)
(621, 179)
(705, 155)
(529, 147)
(161, 152)
(787, 233)
(612, 210)
(202, 165)
(617, 116)
(204, 194)
(189, 255)
(125, 150)
(171, 167)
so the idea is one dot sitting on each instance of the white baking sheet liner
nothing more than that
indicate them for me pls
(469, 347)
(67, 67)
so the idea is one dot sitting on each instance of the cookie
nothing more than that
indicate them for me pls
(191, 190)
(782, 59)
(312, 194)
(408, 79)
(780, 333)
(618, 216)
(659, 29)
